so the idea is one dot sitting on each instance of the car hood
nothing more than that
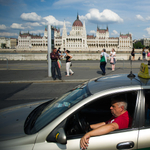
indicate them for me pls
(12, 120)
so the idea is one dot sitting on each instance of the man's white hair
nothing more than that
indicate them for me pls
(124, 104)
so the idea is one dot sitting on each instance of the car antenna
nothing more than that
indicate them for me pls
(131, 75)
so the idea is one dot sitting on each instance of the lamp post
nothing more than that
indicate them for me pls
(49, 51)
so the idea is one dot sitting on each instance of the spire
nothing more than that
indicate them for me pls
(107, 27)
(64, 33)
(77, 16)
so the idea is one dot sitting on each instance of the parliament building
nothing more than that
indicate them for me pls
(77, 39)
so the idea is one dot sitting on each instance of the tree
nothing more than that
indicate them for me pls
(138, 45)
(3, 45)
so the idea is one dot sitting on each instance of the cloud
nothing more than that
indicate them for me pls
(93, 32)
(42, 0)
(53, 21)
(35, 24)
(37, 31)
(17, 26)
(148, 30)
(139, 17)
(8, 34)
(107, 16)
(30, 17)
(148, 18)
(2, 27)
(65, 2)
(114, 32)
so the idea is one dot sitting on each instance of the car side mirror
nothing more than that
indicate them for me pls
(60, 136)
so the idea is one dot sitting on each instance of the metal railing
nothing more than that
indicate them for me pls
(6, 59)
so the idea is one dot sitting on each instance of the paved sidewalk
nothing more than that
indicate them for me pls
(37, 71)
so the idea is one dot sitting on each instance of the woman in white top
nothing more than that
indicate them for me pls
(112, 59)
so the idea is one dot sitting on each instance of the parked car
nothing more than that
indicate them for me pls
(60, 123)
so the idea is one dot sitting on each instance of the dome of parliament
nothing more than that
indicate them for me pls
(77, 22)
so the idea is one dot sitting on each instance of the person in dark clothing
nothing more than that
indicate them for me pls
(103, 64)
(54, 57)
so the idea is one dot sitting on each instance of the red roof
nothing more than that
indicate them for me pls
(77, 22)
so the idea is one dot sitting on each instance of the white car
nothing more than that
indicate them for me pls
(59, 124)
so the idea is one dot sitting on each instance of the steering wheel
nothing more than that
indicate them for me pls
(84, 125)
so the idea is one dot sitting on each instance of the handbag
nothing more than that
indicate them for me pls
(111, 60)
(102, 58)
(59, 63)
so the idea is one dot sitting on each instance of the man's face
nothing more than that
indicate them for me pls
(55, 50)
(115, 109)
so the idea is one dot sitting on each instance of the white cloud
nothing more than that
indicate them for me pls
(2, 27)
(30, 16)
(8, 34)
(139, 17)
(17, 26)
(93, 31)
(42, 0)
(37, 31)
(148, 18)
(114, 32)
(53, 21)
(33, 24)
(65, 2)
(148, 30)
(107, 16)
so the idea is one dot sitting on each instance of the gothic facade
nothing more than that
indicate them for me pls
(77, 40)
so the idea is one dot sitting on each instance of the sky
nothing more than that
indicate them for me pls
(121, 16)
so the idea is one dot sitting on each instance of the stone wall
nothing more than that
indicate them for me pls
(75, 56)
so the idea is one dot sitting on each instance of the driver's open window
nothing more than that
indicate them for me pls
(97, 111)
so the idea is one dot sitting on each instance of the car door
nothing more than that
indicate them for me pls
(119, 139)
(144, 130)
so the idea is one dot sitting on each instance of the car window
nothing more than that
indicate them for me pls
(98, 111)
(59, 106)
(147, 107)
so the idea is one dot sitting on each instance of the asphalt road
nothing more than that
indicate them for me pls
(20, 93)
(27, 81)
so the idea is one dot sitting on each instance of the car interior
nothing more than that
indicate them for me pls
(97, 111)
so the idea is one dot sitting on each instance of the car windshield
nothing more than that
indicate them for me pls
(59, 106)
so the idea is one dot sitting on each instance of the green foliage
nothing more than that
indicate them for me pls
(3, 45)
(138, 45)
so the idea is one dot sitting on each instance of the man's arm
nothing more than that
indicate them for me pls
(99, 131)
(97, 125)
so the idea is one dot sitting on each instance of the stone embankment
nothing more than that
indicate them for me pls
(13, 54)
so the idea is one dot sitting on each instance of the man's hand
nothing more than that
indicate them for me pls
(84, 141)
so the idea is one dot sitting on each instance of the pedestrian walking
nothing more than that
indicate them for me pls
(54, 58)
(64, 53)
(143, 53)
(148, 56)
(103, 61)
(112, 59)
(133, 54)
(68, 63)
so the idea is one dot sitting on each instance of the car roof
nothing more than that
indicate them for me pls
(115, 81)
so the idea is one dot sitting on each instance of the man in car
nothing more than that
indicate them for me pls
(119, 120)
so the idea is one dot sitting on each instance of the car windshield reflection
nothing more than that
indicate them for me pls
(59, 106)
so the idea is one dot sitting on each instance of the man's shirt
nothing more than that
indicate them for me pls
(54, 56)
(122, 120)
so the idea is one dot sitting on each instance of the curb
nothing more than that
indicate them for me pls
(44, 81)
